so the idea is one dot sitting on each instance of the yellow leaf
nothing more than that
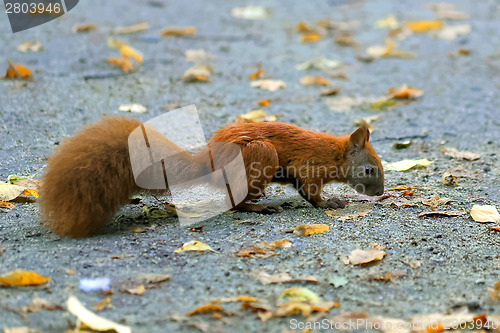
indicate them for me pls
(123, 63)
(21, 277)
(300, 294)
(485, 213)
(30, 192)
(310, 37)
(264, 102)
(406, 165)
(254, 116)
(207, 308)
(358, 257)
(92, 320)
(389, 21)
(104, 304)
(302, 27)
(309, 229)
(4, 204)
(277, 244)
(405, 92)
(178, 31)
(194, 246)
(306, 80)
(129, 52)
(423, 26)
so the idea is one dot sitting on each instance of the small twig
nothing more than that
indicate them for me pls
(402, 138)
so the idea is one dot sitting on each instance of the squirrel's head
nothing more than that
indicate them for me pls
(366, 174)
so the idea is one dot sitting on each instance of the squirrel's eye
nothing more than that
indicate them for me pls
(369, 170)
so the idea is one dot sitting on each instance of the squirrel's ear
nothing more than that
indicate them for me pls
(359, 137)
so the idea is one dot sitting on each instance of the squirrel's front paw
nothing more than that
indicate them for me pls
(332, 203)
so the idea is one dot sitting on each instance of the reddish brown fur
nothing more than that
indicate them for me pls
(90, 176)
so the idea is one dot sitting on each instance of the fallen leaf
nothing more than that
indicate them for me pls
(253, 250)
(92, 320)
(127, 53)
(137, 290)
(460, 52)
(329, 92)
(4, 204)
(178, 31)
(135, 108)
(84, 27)
(358, 257)
(446, 11)
(389, 21)
(406, 165)
(435, 201)
(461, 155)
(277, 244)
(264, 102)
(321, 63)
(16, 71)
(131, 29)
(104, 304)
(310, 37)
(390, 49)
(309, 229)
(266, 278)
(197, 55)
(256, 75)
(402, 144)
(123, 63)
(384, 276)
(254, 116)
(453, 31)
(367, 120)
(411, 262)
(408, 193)
(197, 73)
(303, 27)
(70, 271)
(270, 85)
(152, 278)
(383, 104)
(485, 213)
(405, 92)
(207, 308)
(441, 214)
(20, 277)
(240, 298)
(355, 210)
(307, 80)
(38, 304)
(251, 13)
(30, 46)
(404, 187)
(300, 294)
(423, 26)
(346, 41)
(338, 281)
(194, 246)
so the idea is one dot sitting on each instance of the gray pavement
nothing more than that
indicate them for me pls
(459, 258)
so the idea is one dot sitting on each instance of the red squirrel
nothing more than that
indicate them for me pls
(90, 175)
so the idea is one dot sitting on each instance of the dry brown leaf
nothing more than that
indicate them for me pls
(30, 46)
(277, 244)
(152, 278)
(137, 290)
(449, 179)
(198, 73)
(390, 49)
(434, 201)
(178, 31)
(346, 41)
(123, 63)
(208, 308)
(310, 37)
(461, 155)
(84, 27)
(16, 71)
(355, 210)
(358, 256)
(307, 80)
(254, 251)
(403, 187)
(405, 92)
(424, 26)
(131, 29)
(20, 277)
(104, 304)
(309, 229)
(485, 213)
(411, 262)
(329, 92)
(441, 214)
(256, 75)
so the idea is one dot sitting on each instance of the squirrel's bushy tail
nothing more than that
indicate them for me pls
(88, 178)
